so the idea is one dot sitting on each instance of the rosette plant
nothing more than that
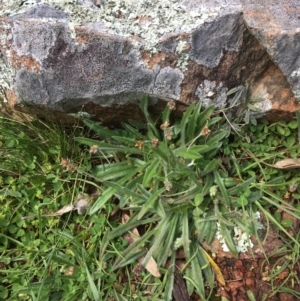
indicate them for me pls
(169, 178)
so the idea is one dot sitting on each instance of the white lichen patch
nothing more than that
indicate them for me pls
(263, 106)
(81, 115)
(295, 73)
(183, 59)
(146, 19)
(209, 92)
(6, 71)
(241, 239)
(297, 94)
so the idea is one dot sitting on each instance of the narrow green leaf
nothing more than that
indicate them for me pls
(92, 284)
(189, 283)
(153, 131)
(120, 230)
(112, 171)
(197, 277)
(68, 235)
(187, 153)
(108, 147)
(151, 172)
(137, 124)
(62, 259)
(166, 114)
(250, 295)
(184, 122)
(203, 119)
(134, 248)
(134, 132)
(205, 266)
(220, 182)
(228, 239)
(170, 279)
(165, 154)
(210, 148)
(162, 229)
(125, 140)
(215, 138)
(102, 131)
(237, 97)
(12, 239)
(213, 120)
(234, 90)
(206, 230)
(144, 108)
(125, 191)
(202, 229)
(109, 192)
(169, 241)
(240, 188)
(185, 235)
(199, 148)
(193, 122)
(150, 202)
(211, 232)
(210, 167)
(159, 208)
(118, 297)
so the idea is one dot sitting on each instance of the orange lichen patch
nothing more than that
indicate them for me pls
(274, 86)
(11, 98)
(27, 62)
(292, 105)
(153, 59)
(264, 17)
(81, 35)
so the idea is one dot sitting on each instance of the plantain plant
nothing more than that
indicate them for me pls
(170, 178)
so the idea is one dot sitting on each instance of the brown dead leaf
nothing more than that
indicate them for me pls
(286, 164)
(69, 271)
(63, 210)
(60, 212)
(282, 164)
(151, 266)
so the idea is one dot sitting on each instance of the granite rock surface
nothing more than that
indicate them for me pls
(73, 56)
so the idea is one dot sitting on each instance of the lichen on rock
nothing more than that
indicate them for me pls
(145, 19)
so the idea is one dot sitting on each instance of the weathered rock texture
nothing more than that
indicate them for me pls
(77, 57)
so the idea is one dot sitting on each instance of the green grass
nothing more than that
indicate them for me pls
(176, 184)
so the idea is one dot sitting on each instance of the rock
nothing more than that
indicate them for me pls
(72, 56)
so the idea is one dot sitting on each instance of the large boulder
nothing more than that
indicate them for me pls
(76, 56)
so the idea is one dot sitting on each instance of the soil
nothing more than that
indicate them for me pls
(244, 277)
(266, 275)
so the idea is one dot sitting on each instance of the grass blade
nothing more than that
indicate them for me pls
(92, 284)
(170, 279)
